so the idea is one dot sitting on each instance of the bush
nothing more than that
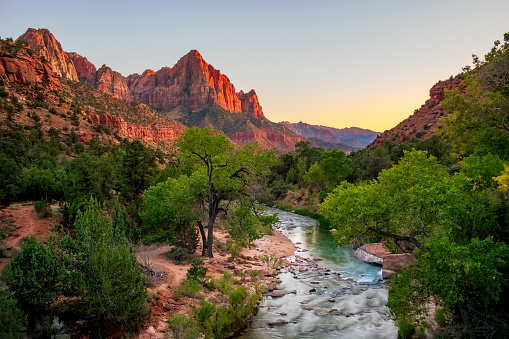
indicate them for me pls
(197, 271)
(184, 327)
(33, 275)
(42, 208)
(188, 288)
(12, 319)
(180, 256)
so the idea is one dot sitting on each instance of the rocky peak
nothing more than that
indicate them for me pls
(42, 42)
(113, 83)
(84, 69)
(250, 104)
(192, 83)
(28, 69)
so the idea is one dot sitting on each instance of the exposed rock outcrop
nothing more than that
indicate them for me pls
(372, 253)
(393, 263)
(112, 82)
(146, 133)
(26, 69)
(45, 45)
(191, 83)
(424, 122)
(250, 104)
(84, 69)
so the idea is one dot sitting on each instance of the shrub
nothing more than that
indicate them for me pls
(439, 316)
(188, 288)
(12, 320)
(180, 256)
(184, 327)
(33, 275)
(197, 271)
(42, 208)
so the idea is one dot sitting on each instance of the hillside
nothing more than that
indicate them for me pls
(423, 123)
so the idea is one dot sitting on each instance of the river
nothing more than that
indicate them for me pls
(329, 293)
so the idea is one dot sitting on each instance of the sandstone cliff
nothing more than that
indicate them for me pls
(112, 82)
(153, 132)
(26, 69)
(424, 122)
(84, 69)
(42, 42)
(191, 83)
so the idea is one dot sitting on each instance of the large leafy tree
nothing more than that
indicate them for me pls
(405, 204)
(222, 172)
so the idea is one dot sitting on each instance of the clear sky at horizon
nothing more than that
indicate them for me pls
(342, 63)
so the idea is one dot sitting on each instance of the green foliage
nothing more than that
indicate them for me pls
(224, 284)
(184, 327)
(197, 271)
(42, 208)
(180, 256)
(12, 320)
(189, 287)
(138, 169)
(34, 276)
(218, 173)
(407, 202)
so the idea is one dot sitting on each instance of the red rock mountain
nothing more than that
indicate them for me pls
(194, 84)
(424, 122)
(45, 45)
(28, 69)
(201, 94)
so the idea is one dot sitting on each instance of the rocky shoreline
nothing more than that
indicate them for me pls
(377, 254)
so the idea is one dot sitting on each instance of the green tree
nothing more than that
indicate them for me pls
(109, 278)
(13, 320)
(228, 172)
(138, 169)
(34, 276)
(407, 203)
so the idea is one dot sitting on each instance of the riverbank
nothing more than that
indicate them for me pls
(248, 270)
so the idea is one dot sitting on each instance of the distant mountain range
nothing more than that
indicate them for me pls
(346, 139)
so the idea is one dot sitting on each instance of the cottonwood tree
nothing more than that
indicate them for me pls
(218, 173)
(406, 204)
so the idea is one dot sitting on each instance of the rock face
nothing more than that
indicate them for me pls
(191, 83)
(372, 253)
(424, 122)
(250, 104)
(113, 83)
(26, 69)
(45, 45)
(84, 69)
(146, 133)
(393, 263)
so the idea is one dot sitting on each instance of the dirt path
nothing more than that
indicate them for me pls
(20, 220)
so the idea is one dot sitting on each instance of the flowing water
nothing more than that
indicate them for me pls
(329, 293)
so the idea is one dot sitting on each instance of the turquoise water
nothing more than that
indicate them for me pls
(329, 292)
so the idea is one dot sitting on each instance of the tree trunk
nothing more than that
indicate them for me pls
(203, 238)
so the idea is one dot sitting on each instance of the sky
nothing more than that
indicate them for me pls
(343, 63)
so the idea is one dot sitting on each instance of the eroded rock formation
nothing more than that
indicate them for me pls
(42, 42)
(191, 83)
(26, 69)
(153, 132)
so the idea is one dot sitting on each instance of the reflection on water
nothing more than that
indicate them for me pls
(329, 292)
